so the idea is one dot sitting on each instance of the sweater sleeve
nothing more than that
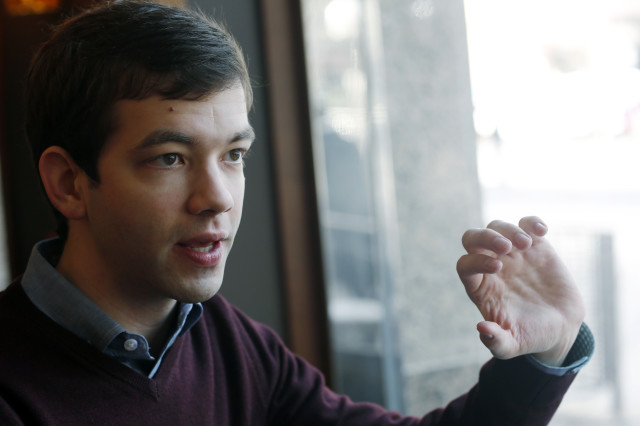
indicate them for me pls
(509, 392)
(512, 392)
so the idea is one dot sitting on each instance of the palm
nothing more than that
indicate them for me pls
(529, 305)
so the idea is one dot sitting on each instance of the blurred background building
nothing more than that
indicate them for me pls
(447, 114)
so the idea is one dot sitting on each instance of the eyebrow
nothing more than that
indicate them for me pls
(161, 136)
(247, 134)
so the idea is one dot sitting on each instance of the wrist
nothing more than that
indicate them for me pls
(555, 356)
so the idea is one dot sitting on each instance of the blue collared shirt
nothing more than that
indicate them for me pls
(66, 305)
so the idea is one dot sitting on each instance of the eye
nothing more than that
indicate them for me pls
(167, 160)
(235, 155)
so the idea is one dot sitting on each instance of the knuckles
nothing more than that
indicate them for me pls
(495, 224)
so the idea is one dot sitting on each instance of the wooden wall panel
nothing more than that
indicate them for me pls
(306, 310)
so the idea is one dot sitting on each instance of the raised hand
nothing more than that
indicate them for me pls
(529, 301)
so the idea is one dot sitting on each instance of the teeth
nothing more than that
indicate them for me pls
(202, 249)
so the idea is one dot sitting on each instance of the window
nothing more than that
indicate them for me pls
(431, 117)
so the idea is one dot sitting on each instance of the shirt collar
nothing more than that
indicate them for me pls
(67, 306)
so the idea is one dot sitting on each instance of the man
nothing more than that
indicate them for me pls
(137, 117)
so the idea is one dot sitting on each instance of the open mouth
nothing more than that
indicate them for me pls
(203, 249)
(204, 253)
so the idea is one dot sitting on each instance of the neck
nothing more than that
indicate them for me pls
(135, 312)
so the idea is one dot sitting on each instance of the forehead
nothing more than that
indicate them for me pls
(218, 113)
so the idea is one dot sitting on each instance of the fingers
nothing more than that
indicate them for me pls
(500, 342)
(533, 225)
(518, 236)
(483, 240)
(472, 264)
(499, 237)
(471, 268)
(485, 247)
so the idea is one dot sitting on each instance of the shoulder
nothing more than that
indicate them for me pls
(231, 323)
(247, 355)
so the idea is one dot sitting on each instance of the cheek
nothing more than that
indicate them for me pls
(137, 210)
(238, 197)
(155, 196)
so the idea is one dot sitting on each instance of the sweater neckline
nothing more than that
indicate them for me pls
(84, 352)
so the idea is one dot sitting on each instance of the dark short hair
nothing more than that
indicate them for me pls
(122, 50)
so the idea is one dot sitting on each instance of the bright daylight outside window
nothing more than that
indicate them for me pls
(433, 116)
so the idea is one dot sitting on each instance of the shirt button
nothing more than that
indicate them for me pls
(130, 345)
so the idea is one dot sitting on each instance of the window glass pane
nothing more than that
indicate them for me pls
(556, 107)
(433, 116)
(396, 163)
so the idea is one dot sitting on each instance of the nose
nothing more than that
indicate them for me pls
(211, 192)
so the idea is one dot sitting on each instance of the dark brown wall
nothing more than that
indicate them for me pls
(27, 215)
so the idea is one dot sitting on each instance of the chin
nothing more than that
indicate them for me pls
(201, 292)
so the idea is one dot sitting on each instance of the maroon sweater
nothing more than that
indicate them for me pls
(227, 370)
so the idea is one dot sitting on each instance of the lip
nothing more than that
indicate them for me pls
(204, 250)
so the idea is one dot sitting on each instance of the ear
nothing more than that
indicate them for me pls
(62, 181)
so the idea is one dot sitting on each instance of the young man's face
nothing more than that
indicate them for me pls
(168, 205)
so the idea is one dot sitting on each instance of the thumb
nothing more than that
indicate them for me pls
(499, 341)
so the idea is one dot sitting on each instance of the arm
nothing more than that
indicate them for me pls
(530, 305)
(509, 392)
